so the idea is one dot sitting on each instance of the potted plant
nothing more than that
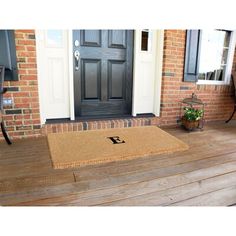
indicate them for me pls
(191, 117)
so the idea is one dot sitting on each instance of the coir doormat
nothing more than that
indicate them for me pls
(82, 148)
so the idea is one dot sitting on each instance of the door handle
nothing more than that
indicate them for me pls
(77, 57)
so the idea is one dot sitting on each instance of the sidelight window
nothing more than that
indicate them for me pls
(146, 40)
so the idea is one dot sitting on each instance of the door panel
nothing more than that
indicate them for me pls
(103, 72)
(90, 38)
(116, 75)
(117, 38)
(91, 79)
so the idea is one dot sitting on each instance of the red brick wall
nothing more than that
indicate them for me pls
(22, 118)
(218, 98)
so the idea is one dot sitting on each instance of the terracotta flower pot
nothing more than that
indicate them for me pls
(190, 124)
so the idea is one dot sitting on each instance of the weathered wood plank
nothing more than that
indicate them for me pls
(117, 193)
(153, 165)
(180, 193)
(222, 197)
(155, 173)
(34, 182)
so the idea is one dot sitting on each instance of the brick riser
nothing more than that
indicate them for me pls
(103, 124)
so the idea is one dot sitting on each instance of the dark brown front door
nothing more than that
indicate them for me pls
(103, 62)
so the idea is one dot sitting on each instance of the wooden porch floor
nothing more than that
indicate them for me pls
(203, 175)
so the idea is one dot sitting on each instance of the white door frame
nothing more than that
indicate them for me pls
(159, 65)
(158, 73)
(71, 75)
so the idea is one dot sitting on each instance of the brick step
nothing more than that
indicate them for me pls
(98, 124)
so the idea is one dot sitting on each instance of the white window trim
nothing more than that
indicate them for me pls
(228, 66)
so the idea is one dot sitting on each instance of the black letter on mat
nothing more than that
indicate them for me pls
(116, 140)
